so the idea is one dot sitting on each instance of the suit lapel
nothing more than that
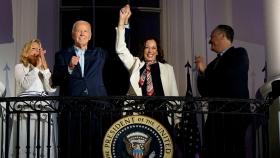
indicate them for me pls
(90, 58)
(135, 77)
(87, 54)
(164, 77)
(224, 58)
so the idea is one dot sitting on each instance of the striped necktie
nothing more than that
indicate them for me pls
(150, 87)
(146, 75)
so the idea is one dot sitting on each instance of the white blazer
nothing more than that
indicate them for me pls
(134, 64)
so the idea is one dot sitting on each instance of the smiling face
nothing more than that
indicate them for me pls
(81, 34)
(150, 51)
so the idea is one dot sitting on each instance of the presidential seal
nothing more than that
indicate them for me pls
(135, 136)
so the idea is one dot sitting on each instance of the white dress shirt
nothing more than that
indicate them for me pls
(81, 54)
(31, 79)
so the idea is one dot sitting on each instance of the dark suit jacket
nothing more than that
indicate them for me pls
(226, 77)
(74, 84)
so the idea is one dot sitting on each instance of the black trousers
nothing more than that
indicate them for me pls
(224, 136)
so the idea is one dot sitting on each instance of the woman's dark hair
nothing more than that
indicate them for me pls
(159, 57)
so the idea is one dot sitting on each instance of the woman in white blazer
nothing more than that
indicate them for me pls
(150, 75)
(163, 77)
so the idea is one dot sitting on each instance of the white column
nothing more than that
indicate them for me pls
(272, 29)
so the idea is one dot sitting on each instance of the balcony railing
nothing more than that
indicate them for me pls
(66, 126)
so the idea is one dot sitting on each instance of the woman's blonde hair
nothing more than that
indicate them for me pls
(24, 51)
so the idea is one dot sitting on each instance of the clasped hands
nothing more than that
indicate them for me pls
(41, 60)
(124, 15)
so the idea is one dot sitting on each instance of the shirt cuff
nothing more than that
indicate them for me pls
(126, 26)
(70, 70)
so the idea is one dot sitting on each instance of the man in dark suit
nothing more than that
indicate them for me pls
(79, 72)
(225, 77)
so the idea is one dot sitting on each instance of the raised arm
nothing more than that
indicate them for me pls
(124, 16)
(121, 46)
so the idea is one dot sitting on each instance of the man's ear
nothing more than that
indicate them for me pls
(72, 35)
(90, 37)
(223, 35)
